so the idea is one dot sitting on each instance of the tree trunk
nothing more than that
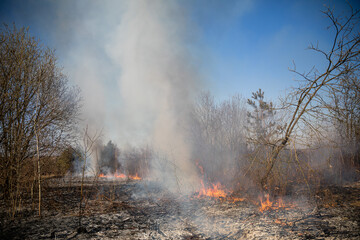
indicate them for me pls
(273, 159)
(39, 169)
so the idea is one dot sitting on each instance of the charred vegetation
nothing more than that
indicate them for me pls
(231, 169)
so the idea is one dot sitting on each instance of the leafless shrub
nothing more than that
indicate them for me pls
(137, 160)
(308, 99)
(218, 135)
(37, 105)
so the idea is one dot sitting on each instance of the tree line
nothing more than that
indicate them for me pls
(236, 140)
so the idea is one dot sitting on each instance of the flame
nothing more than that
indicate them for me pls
(236, 199)
(273, 205)
(136, 177)
(215, 191)
(281, 204)
(266, 205)
(119, 175)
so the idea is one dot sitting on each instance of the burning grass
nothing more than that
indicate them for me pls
(139, 209)
(119, 176)
(279, 204)
(216, 191)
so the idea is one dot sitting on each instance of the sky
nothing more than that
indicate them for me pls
(225, 47)
(245, 45)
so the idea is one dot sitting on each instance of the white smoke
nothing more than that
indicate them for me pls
(138, 77)
(158, 79)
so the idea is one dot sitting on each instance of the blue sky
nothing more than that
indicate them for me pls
(245, 45)
(254, 47)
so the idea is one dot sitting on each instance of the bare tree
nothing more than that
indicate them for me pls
(343, 111)
(87, 146)
(218, 131)
(36, 130)
(341, 58)
(38, 108)
(344, 107)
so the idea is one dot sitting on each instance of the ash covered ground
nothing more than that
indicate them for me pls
(142, 210)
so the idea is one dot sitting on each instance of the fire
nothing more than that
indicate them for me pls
(266, 205)
(273, 205)
(215, 191)
(136, 177)
(281, 204)
(218, 191)
(120, 175)
(236, 199)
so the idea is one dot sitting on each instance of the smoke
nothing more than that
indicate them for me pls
(158, 77)
(138, 77)
(137, 64)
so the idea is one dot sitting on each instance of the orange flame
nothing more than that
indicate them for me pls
(119, 175)
(236, 199)
(215, 191)
(269, 205)
(266, 205)
(281, 204)
(136, 177)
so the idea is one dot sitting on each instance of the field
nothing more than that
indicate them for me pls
(140, 209)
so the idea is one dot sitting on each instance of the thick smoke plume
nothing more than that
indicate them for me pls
(138, 79)
(157, 78)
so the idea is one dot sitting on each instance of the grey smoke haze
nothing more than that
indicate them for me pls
(137, 64)
(133, 63)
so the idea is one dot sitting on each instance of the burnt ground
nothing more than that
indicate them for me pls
(141, 210)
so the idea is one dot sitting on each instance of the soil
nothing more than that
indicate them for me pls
(143, 210)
